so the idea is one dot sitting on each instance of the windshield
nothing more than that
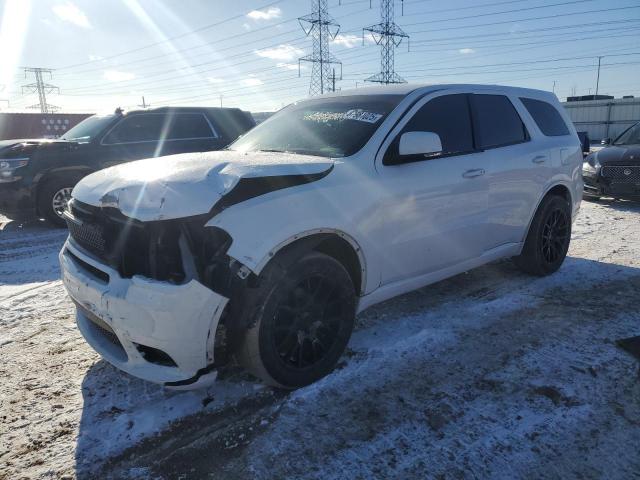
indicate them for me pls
(327, 127)
(630, 137)
(88, 128)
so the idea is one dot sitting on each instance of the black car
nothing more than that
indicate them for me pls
(37, 176)
(614, 171)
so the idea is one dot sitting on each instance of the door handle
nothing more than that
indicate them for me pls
(539, 159)
(476, 172)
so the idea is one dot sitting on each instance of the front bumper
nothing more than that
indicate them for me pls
(596, 184)
(153, 330)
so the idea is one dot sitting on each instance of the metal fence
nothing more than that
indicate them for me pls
(604, 118)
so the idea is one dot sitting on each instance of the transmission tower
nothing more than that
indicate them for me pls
(321, 28)
(42, 88)
(388, 35)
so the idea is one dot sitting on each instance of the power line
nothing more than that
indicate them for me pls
(170, 39)
(546, 17)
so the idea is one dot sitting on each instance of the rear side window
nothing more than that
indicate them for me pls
(497, 122)
(189, 125)
(449, 117)
(546, 116)
(136, 128)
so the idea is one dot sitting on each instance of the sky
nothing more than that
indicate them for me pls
(244, 53)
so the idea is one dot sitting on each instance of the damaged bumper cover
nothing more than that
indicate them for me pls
(154, 330)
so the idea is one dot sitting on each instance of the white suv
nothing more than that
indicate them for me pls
(266, 251)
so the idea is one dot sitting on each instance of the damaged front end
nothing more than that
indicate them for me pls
(152, 296)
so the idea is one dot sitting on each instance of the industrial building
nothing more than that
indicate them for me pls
(37, 125)
(603, 118)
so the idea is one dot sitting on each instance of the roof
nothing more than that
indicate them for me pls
(407, 88)
(180, 109)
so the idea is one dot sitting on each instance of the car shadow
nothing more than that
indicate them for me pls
(35, 224)
(622, 205)
(29, 253)
(120, 413)
(120, 410)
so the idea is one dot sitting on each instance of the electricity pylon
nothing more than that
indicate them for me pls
(321, 27)
(388, 35)
(41, 88)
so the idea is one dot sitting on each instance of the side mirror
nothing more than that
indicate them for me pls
(606, 141)
(419, 143)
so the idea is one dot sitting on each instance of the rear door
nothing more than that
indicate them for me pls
(190, 132)
(432, 211)
(515, 167)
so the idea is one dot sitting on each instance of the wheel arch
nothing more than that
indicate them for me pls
(332, 242)
(49, 175)
(558, 189)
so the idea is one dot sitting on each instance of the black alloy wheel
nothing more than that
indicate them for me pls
(555, 235)
(307, 322)
(547, 242)
(300, 319)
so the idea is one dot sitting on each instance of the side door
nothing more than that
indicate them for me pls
(433, 208)
(134, 137)
(190, 132)
(516, 167)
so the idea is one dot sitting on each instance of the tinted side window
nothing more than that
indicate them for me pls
(449, 117)
(496, 121)
(189, 125)
(546, 116)
(137, 128)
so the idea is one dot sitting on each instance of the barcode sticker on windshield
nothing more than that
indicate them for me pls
(362, 116)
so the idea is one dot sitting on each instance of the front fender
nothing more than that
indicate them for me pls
(260, 227)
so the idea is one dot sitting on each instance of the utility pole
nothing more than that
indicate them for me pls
(554, 87)
(41, 88)
(144, 104)
(321, 27)
(388, 35)
(598, 77)
(220, 101)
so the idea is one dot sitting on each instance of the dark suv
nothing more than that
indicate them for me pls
(37, 176)
(614, 171)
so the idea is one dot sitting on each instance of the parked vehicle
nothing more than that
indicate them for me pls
(585, 141)
(267, 250)
(614, 171)
(37, 176)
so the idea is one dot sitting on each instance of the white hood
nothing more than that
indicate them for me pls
(188, 184)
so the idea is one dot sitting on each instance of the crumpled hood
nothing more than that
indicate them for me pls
(188, 184)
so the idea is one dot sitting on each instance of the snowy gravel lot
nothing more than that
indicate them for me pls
(491, 374)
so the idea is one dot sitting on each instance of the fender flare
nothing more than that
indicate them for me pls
(259, 266)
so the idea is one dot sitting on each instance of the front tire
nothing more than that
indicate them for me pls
(301, 316)
(548, 239)
(53, 199)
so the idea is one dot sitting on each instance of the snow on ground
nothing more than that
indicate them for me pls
(491, 374)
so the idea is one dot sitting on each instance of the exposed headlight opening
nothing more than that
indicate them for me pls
(8, 166)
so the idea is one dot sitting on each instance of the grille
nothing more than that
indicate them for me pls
(88, 236)
(621, 173)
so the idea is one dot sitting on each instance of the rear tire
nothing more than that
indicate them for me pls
(53, 198)
(547, 242)
(301, 316)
